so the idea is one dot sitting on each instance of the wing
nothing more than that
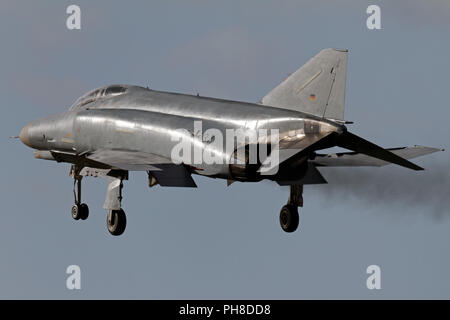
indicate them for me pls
(129, 160)
(354, 159)
(100, 162)
(166, 173)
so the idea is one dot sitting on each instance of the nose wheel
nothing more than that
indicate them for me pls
(80, 211)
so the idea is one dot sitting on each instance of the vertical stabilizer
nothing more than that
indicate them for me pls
(317, 88)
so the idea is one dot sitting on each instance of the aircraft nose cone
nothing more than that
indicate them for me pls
(24, 137)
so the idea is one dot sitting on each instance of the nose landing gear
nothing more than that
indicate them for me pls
(79, 210)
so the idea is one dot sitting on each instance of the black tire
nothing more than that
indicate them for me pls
(76, 212)
(84, 214)
(116, 222)
(289, 218)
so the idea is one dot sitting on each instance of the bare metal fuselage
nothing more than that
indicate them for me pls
(146, 121)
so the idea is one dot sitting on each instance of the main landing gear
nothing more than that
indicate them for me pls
(116, 221)
(289, 218)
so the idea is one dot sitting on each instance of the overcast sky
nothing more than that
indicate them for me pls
(219, 242)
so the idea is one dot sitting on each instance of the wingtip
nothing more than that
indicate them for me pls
(431, 148)
(340, 50)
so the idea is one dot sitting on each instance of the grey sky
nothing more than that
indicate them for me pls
(219, 242)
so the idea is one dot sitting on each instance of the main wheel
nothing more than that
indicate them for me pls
(289, 218)
(116, 222)
(80, 211)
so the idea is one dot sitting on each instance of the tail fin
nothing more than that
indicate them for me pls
(317, 88)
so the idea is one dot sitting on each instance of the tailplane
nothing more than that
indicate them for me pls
(357, 144)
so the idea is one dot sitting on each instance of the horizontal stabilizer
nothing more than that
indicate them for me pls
(353, 159)
(357, 144)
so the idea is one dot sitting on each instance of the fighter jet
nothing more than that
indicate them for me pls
(120, 128)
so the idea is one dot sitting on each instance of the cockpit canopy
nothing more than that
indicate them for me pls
(96, 94)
